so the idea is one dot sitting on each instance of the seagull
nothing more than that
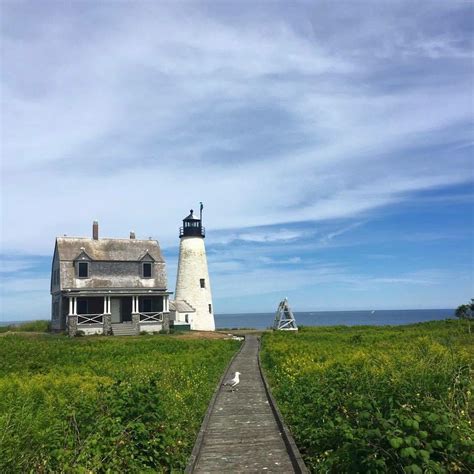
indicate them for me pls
(233, 382)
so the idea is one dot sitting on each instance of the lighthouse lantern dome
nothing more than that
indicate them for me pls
(192, 226)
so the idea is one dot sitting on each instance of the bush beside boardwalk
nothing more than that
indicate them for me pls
(377, 399)
(102, 404)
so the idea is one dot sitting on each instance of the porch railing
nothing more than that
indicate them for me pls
(90, 319)
(151, 317)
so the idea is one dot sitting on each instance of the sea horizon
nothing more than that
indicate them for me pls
(263, 320)
(336, 318)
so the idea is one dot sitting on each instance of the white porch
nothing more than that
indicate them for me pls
(94, 314)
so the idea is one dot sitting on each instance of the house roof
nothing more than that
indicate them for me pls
(116, 264)
(181, 306)
(120, 250)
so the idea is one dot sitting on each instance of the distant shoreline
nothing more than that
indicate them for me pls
(320, 318)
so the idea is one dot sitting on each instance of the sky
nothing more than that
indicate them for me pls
(330, 142)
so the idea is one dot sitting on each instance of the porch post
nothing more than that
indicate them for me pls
(74, 305)
(72, 318)
(107, 324)
(135, 315)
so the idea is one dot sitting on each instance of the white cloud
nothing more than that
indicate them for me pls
(123, 129)
(331, 235)
(268, 236)
(16, 264)
(258, 281)
(281, 261)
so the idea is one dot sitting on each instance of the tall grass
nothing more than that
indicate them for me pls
(104, 404)
(367, 399)
(28, 326)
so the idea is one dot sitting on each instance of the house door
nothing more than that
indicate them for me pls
(126, 309)
(115, 310)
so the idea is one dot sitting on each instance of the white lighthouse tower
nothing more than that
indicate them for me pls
(192, 281)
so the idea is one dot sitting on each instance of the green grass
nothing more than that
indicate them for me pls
(104, 404)
(29, 326)
(377, 399)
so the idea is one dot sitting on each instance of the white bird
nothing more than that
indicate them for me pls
(233, 382)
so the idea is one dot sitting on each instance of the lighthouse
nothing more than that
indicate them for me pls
(192, 282)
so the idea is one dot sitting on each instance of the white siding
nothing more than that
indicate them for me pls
(192, 267)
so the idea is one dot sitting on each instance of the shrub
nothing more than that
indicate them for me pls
(28, 326)
(104, 404)
(376, 399)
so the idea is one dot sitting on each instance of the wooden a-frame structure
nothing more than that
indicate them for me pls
(284, 318)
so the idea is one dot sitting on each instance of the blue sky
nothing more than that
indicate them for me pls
(331, 143)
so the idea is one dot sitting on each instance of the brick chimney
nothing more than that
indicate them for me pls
(95, 230)
(132, 234)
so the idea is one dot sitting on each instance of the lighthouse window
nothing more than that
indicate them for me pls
(203, 282)
(147, 270)
(210, 308)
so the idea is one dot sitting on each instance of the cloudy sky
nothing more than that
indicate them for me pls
(331, 144)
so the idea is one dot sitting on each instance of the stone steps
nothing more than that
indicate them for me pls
(123, 329)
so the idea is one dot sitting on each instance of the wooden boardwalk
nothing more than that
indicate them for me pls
(242, 431)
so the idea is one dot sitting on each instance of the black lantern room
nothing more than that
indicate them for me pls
(192, 226)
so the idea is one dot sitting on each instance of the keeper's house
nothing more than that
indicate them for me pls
(108, 286)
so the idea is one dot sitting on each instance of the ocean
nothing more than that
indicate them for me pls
(334, 318)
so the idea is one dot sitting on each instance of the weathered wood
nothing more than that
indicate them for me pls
(241, 432)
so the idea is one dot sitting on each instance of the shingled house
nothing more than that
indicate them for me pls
(108, 286)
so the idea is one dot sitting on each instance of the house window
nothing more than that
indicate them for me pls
(186, 318)
(210, 308)
(146, 306)
(146, 270)
(83, 271)
(202, 281)
(82, 306)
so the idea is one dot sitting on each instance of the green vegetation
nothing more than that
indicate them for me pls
(29, 326)
(466, 312)
(104, 404)
(377, 399)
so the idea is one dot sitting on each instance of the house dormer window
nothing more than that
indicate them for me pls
(83, 270)
(146, 270)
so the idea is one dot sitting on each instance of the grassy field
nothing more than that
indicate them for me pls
(29, 326)
(100, 404)
(377, 399)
